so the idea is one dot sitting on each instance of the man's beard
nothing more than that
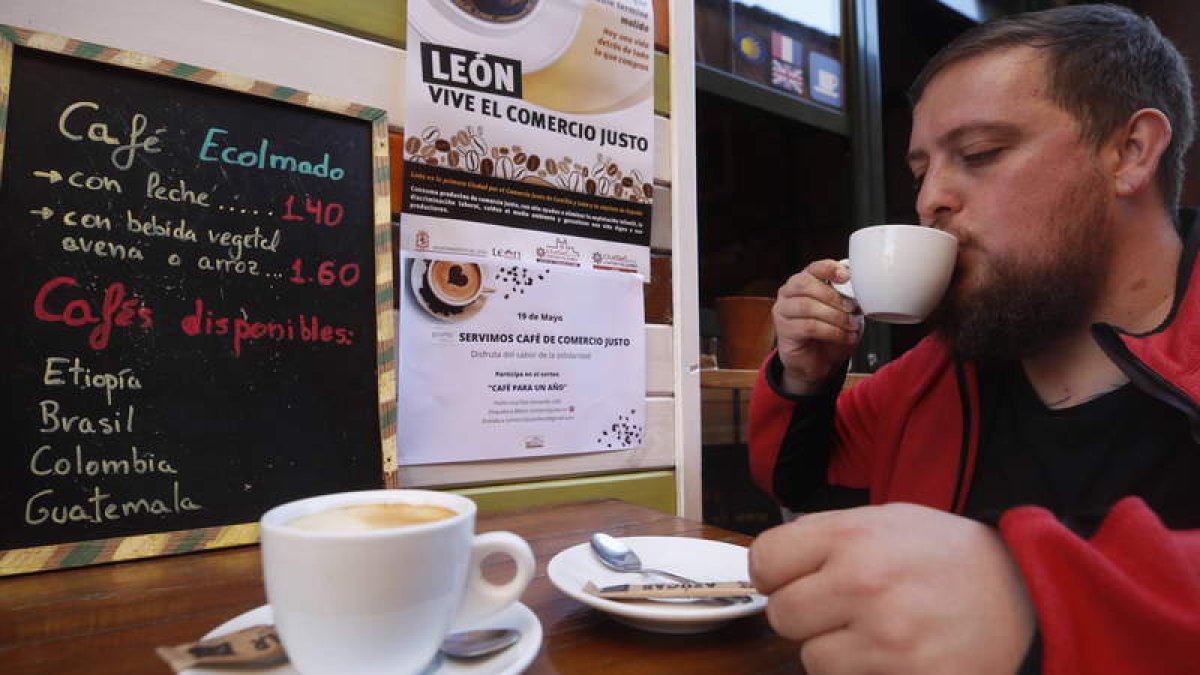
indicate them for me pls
(1026, 301)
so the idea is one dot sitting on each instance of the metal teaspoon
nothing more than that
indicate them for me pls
(472, 644)
(616, 555)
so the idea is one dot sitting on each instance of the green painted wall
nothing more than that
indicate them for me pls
(653, 489)
(379, 20)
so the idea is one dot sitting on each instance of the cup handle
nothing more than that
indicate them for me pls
(482, 597)
(846, 289)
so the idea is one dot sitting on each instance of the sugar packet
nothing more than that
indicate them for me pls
(709, 589)
(253, 647)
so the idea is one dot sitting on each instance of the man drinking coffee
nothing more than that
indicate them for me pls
(1017, 492)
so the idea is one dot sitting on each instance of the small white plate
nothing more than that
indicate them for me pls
(512, 661)
(700, 559)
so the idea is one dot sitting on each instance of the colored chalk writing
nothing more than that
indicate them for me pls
(191, 302)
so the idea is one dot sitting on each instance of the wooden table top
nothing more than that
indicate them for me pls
(109, 618)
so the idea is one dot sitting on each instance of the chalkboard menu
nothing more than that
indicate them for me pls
(197, 302)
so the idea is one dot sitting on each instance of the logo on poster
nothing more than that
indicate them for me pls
(534, 442)
(613, 261)
(505, 253)
(470, 69)
(561, 253)
(422, 240)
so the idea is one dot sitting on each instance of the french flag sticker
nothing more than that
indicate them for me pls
(785, 48)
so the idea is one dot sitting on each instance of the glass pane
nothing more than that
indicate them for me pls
(824, 16)
(793, 48)
(712, 33)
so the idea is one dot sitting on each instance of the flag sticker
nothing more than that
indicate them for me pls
(751, 48)
(826, 73)
(787, 77)
(786, 49)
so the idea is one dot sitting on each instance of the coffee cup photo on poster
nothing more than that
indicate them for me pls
(449, 290)
(899, 273)
(370, 582)
(534, 32)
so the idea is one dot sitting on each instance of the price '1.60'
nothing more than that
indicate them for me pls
(328, 273)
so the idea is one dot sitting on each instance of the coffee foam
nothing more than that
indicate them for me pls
(365, 517)
(455, 282)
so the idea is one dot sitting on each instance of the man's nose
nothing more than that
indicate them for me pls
(938, 198)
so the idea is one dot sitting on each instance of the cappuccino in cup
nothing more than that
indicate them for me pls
(456, 284)
(361, 517)
(367, 583)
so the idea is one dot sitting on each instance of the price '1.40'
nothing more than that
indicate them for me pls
(329, 215)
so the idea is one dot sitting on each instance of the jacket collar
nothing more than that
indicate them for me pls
(1165, 362)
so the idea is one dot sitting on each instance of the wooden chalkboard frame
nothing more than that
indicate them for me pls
(75, 554)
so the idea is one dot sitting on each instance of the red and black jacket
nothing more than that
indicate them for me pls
(1125, 599)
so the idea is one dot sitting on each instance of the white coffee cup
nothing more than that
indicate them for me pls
(454, 284)
(899, 272)
(374, 601)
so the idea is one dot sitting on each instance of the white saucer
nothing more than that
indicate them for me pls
(700, 559)
(512, 661)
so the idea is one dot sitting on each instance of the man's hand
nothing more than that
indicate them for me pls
(815, 326)
(896, 589)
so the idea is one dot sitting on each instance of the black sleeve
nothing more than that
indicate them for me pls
(1032, 665)
(800, 470)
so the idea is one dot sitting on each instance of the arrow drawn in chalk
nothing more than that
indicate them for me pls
(52, 175)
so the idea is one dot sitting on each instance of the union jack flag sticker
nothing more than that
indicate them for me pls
(787, 77)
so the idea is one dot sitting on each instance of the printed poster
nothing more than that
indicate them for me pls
(529, 131)
(505, 359)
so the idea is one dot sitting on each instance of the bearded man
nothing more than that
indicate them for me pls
(1018, 492)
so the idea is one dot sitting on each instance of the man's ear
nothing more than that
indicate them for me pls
(1139, 148)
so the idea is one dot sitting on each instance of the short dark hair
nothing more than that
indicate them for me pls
(1104, 63)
